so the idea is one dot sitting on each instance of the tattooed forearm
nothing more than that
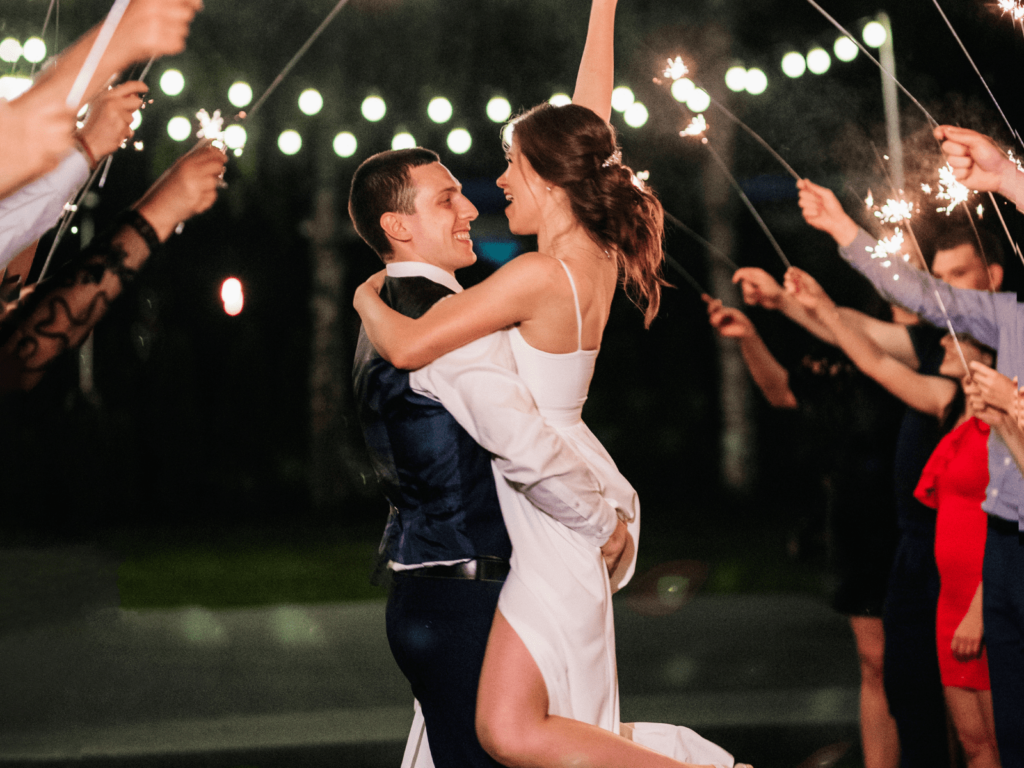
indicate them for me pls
(59, 314)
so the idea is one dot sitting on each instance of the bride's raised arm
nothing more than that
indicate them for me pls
(596, 77)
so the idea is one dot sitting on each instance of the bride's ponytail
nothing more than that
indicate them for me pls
(574, 148)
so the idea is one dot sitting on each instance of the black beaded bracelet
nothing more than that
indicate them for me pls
(138, 222)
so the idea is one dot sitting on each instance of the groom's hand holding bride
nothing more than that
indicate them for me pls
(615, 547)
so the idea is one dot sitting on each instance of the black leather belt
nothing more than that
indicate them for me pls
(480, 569)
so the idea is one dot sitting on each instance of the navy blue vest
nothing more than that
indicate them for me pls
(438, 480)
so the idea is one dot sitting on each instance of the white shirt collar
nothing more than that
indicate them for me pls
(422, 269)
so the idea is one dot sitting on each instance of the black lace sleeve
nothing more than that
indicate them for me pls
(61, 311)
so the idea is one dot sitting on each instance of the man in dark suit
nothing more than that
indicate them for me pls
(440, 438)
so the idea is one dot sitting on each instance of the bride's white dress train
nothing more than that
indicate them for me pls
(558, 595)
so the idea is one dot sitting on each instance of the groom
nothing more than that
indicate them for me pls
(440, 438)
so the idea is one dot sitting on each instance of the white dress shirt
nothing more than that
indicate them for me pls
(35, 208)
(477, 384)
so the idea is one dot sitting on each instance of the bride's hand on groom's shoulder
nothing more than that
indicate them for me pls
(368, 289)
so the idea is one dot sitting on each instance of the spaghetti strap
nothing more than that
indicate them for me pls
(576, 300)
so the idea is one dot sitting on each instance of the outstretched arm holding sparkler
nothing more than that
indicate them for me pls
(760, 289)
(986, 396)
(979, 164)
(33, 209)
(148, 29)
(928, 394)
(59, 313)
(768, 373)
(596, 76)
(978, 313)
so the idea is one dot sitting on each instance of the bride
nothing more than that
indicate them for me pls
(548, 689)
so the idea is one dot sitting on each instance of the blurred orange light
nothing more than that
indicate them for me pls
(231, 295)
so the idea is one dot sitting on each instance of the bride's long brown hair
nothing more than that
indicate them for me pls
(574, 148)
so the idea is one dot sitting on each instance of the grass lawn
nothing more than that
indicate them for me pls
(232, 569)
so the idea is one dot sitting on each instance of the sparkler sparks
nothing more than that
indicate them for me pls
(888, 247)
(1013, 7)
(676, 69)
(211, 127)
(697, 127)
(895, 211)
(950, 190)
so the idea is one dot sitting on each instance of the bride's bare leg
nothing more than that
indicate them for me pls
(515, 728)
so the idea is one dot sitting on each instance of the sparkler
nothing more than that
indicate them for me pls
(974, 66)
(876, 62)
(716, 252)
(950, 190)
(686, 275)
(295, 59)
(211, 127)
(746, 201)
(1013, 7)
(673, 70)
(676, 69)
(42, 34)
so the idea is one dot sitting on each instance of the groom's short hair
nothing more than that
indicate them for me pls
(382, 184)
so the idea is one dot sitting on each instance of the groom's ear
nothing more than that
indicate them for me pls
(394, 227)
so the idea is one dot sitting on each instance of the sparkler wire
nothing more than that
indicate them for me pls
(65, 223)
(746, 201)
(931, 278)
(977, 71)
(99, 47)
(716, 252)
(1006, 230)
(938, 297)
(756, 137)
(46, 23)
(295, 59)
(877, 63)
(686, 275)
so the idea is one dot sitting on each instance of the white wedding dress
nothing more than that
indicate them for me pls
(558, 595)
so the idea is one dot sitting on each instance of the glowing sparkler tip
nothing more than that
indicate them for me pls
(676, 69)
(950, 190)
(895, 211)
(888, 247)
(869, 201)
(211, 127)
(980, 210)
(139, 146)
(697, 126)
